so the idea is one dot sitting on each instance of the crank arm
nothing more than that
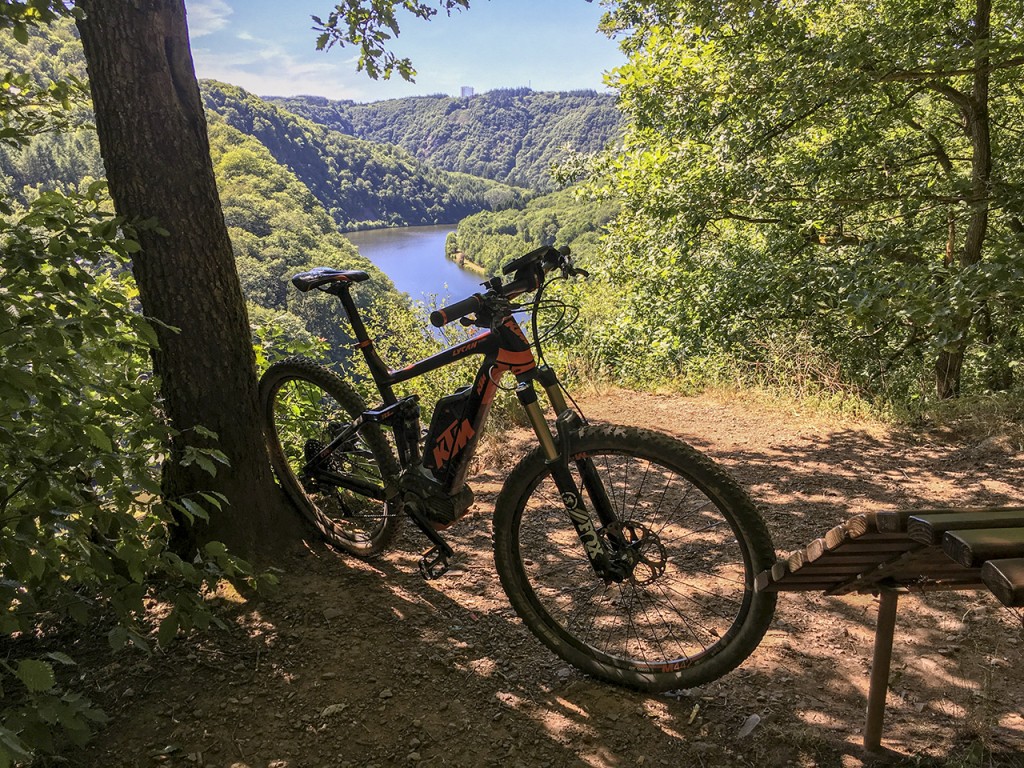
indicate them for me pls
(434, 561)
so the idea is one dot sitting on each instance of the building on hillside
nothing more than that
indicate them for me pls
(467, 91)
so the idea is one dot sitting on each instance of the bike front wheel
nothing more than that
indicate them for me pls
(687, 612)
(304, 407)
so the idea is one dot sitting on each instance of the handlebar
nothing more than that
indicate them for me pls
(454, 311)
(529, 274)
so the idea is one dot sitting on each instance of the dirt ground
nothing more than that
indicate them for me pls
(366, 664)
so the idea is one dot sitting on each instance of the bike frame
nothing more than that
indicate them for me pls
(505, 349)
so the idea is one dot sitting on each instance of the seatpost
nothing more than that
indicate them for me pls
(378, 370)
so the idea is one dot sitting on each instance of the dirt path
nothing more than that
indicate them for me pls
(366, 664)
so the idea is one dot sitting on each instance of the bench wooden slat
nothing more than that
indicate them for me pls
(799, 560)
(929, 527)
(864, 556)
(835, 570)
(795, 583)
(869, 544)
(973, 547)
(1006, 580)
(857, 525)
(797, 586)
(913, 569)
(891, 522)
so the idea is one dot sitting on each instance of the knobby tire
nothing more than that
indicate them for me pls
(303, 405)
(689, 613)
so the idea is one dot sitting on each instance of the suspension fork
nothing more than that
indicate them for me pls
(568, 421)
(557, 458)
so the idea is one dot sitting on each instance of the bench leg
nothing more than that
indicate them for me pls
(880, 662)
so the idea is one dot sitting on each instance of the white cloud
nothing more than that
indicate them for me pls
(270, 70)
(207, 16)
(269, 67)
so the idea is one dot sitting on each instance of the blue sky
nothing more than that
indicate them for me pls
(268, 47)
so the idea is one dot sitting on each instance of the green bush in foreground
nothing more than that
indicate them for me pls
(83, 533)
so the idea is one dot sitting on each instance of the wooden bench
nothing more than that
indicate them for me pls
(907, 551)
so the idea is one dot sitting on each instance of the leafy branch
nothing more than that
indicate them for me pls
(370, 25)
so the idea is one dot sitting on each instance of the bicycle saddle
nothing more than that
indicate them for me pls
(318, 276)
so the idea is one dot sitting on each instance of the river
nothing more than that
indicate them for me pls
(413, 257)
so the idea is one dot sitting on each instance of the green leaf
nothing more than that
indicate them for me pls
(12, 746)
(117, 637)
(195, 510)
(215, 500)
(36, 675)
(216, 549)
(201, 430)
(168, 629)
(98, 437)
(203, 461)
(20, 33)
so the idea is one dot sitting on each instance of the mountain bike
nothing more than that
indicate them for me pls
(628, 553)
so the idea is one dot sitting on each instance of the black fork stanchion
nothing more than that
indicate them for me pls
(558, 461)
(568, 421)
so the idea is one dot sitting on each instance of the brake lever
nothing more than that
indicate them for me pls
(568, 270)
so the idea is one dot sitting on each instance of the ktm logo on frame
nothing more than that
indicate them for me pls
(452, 440)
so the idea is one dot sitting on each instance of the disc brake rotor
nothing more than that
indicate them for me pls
(647, 554)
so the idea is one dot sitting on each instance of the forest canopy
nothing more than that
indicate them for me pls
(838, 179)
(513, 135)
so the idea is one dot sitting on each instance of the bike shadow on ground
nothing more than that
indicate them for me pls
(360, 664)
(955, 677)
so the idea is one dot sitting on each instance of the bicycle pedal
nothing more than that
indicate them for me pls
(433, 564)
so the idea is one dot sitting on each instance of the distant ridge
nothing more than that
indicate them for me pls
(511, 135)
(362, 184)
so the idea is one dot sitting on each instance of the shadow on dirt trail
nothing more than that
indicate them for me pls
(365, 664)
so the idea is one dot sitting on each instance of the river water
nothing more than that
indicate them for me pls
(413, 257)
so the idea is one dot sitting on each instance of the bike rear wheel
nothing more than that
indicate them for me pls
(687, 614)
(304, 406)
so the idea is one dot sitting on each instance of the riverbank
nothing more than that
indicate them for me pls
(415, 260)
(463, 263)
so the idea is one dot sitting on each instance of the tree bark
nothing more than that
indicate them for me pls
(152, 133)
(949, 365)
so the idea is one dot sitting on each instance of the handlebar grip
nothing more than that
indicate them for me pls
(453, 312)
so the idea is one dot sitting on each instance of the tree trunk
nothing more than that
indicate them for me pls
(152, 133)
(949, 366)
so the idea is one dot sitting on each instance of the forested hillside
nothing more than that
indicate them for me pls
(362, 184)
(278, 226)
(511, 135)
(277, 229)
(491, 239)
